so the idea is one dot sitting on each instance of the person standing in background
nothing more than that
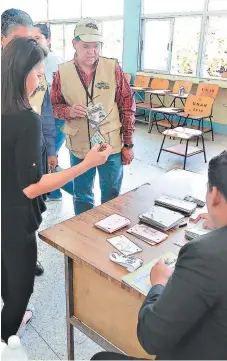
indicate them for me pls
(17, 23)
(92, 94)
(42, 34)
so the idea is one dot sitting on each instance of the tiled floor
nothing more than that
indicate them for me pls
(45, 338)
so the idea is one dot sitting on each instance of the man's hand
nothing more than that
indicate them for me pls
(52, 163)
(160, 273)
(127, 155)
(207, 224)
(78, 111)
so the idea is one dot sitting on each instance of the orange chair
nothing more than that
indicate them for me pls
(160, 84)
(207, 90)
(187, 85)
(198, 108)
(141, 82)
(181, 83)
(159, 88)
(197, 113)
(128, 77)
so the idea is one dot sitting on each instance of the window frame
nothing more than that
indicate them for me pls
(64, 22)
(204, 14)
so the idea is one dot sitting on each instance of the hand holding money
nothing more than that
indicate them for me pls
(98, 155)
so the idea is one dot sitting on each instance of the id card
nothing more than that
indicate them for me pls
(124, 245)
(96, 114)
(97, 138)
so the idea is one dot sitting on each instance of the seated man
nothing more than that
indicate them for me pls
(184, 316)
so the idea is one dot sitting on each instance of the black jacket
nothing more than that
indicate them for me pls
(187, 319)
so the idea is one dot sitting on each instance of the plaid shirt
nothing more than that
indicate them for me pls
(124, 99)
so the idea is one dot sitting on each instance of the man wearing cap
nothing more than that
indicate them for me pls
(92, 94)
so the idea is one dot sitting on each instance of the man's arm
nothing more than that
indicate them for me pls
(126, 105)
(170, 313)
(48, 125)
(60, 107)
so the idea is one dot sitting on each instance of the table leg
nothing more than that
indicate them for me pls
(186, 152)
(161, 148)
(69, 305)
(161, 102)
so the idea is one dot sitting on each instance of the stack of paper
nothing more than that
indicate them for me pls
(161, 218)
(147, 234)
(112, 223)
(176, 204)
(140, 279)
(196, 231)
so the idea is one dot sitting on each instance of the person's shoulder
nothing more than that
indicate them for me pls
(210, 248)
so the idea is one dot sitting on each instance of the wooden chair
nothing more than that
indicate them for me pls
(207, 90)
(141, 82)
(183, 150)
(175, 94)
(198, 108)
(128, 77)
(159, 84)
(159, 88)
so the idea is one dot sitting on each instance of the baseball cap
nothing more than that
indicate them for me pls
(88, 31)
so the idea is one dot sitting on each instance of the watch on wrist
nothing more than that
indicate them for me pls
(129, 146)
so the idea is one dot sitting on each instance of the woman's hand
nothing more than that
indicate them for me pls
(98, 155)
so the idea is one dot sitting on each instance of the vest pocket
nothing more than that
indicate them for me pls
(110, 127)
(70, 136)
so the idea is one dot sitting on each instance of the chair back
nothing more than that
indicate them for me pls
(199, 106)
(160, 84)
(142, 81)
(207, 90)
(178, 84)
(128, 77)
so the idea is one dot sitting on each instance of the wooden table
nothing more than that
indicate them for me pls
(182, 97)
(158, 93)
(98, 303)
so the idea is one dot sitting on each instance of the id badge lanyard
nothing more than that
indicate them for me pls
(88, 95)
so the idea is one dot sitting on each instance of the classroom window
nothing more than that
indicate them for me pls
(215, 56)
(37, 12)
(170, 6)
(57, 39)
(112, 32)
(99, 8)
(190, 38)
(68, 9)
(156, 44)
(185, 46)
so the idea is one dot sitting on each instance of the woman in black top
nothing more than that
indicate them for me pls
(22, 182)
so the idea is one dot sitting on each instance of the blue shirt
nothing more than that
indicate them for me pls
(48, 133)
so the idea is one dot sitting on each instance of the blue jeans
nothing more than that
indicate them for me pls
(110, 180)
(60, 139)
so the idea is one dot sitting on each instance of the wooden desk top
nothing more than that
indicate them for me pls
(80, 240)
(183, 96)
(158, 92)
(167, 110)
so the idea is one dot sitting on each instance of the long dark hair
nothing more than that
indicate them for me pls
(19, 57)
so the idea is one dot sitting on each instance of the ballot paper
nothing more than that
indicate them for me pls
(112, 223)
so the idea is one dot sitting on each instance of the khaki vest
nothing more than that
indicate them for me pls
(77, 134)
(36, 101)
